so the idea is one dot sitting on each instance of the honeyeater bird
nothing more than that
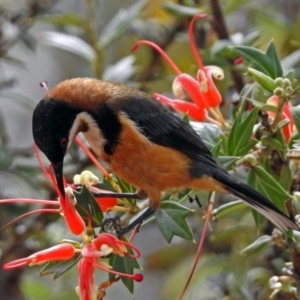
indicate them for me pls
(142, 141)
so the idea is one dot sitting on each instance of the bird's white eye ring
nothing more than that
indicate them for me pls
(63, 142)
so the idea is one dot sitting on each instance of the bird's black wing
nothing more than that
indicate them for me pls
(163, 127)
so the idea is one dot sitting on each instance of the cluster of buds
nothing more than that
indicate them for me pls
(280, 100)
(282, 284)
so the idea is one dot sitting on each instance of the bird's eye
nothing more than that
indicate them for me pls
(63, 142)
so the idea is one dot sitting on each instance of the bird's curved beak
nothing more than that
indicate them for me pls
(58, 171)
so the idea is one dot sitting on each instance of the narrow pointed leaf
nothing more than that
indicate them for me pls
(227, 161)
(261, 181)
(229, 208)
(86, 203)
(180, 10)
(264, 80)
(67, 19)
(126, 265)
(58, 268)
(120, 23)
(265, 62)
(258, 245)
(239, 140)
(69, 43)
(271, 54)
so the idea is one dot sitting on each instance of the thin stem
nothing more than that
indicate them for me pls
(160, 51)
(31, 201)
(91, 156)
(43, 210)
(201, 243)
(192, 40)
(281, 102)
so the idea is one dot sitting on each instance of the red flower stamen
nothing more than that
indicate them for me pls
(137, 277)
(160, 51)
(42, 210)
(91, 156)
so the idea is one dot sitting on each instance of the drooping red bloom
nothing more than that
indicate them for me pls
(202, 90)
(62, 251)
(103, 245)
(92, 251)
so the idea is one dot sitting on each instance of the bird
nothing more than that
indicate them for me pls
(142, 141)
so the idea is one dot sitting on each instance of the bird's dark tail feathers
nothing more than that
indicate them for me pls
(257, 201)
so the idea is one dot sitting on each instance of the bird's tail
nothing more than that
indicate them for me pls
(257, 201)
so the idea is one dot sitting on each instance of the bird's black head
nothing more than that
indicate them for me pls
(51, 124)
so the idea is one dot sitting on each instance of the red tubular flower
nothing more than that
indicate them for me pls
(87, 289)
(118, 246)
(203, 90)
(192, 109)
(63, 251)
(106, 203)
(211, 95)
(103, 245)
(186, 83)
(72, 217)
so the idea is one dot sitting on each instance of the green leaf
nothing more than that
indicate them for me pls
(295, 111)
(67, 19)
(272, 143)
(69, 43)
(265, 62)
(286, 177)
(120, 23)
(263, 79)
(171, 220)
(257, 246)
(180, 10)
(261, 181)
(58, 268)
(273, 59)
(125, 265)
(227, 161)
(229, 208)
(86, 204)
(186, 119)
(239, 140)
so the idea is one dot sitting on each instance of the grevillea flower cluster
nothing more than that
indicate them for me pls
(92, 250)
(201, 90)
